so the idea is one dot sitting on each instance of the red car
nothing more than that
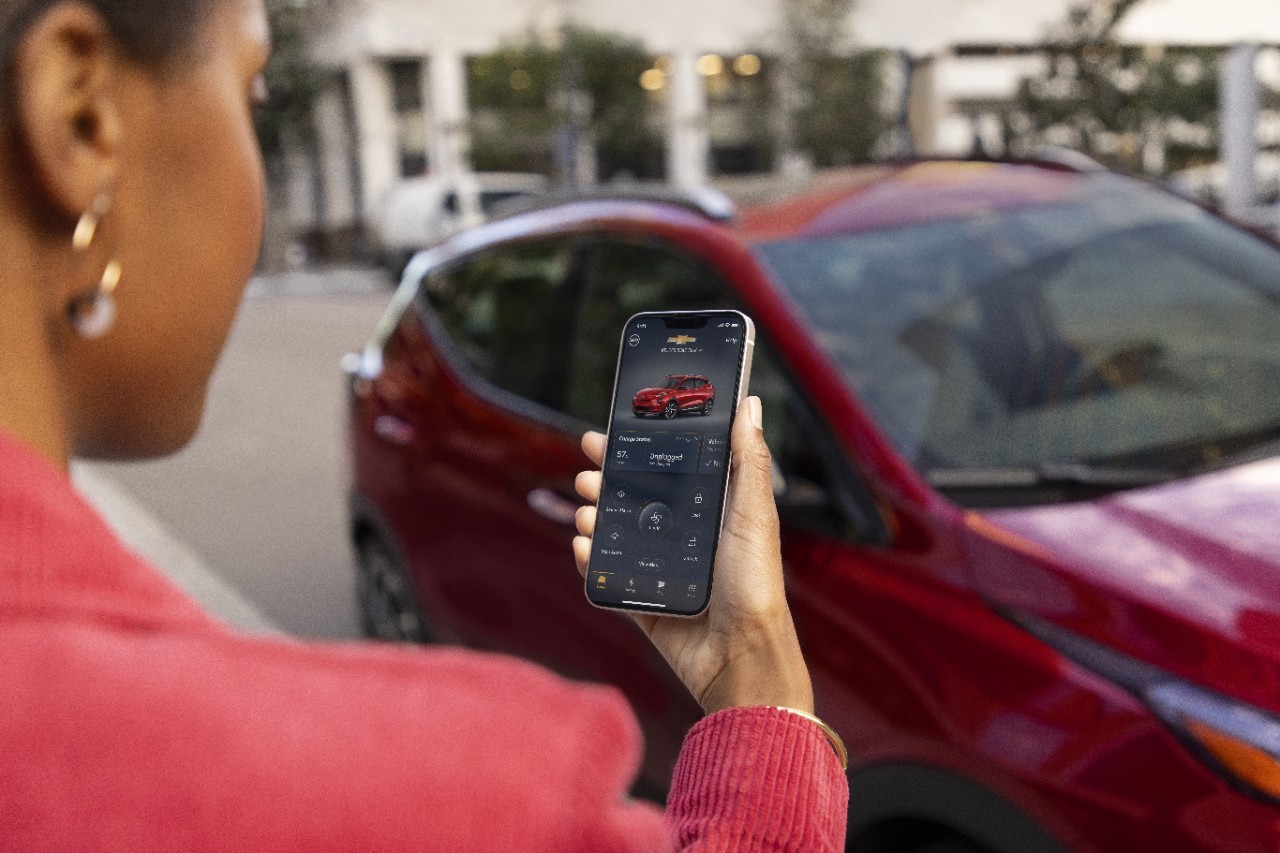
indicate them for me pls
(678, 392)
(1025, 420)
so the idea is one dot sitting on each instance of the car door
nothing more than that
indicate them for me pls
(492, 557)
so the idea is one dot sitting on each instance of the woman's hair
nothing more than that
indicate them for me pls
(149, 31)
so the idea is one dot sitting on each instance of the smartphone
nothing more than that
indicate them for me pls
(680, 377)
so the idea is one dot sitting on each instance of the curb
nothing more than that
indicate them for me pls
(144, 533)
(335, 281)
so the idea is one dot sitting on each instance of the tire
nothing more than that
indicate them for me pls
(388, 607)
(706, 407)
(950, 845)
(671, 409)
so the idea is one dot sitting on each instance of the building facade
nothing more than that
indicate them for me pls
(397, 102)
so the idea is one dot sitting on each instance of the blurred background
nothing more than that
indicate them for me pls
(393, 123)
(750, 97)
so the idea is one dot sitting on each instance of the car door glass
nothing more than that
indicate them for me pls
(507, 314)
(623, 279)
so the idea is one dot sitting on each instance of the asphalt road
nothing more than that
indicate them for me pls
(259, 495)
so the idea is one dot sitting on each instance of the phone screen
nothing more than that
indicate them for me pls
(666, 466)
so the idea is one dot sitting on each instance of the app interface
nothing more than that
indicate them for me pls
(666, 462)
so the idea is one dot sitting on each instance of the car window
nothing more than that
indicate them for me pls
(508, 314)
(1124, 329)
(623, 279)
(1091, 357)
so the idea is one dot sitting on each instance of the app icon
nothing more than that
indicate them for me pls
(634, 340)
(655, 518)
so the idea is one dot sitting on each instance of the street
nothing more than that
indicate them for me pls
(259, 495)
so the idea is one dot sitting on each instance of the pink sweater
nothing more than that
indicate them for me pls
(130, 720)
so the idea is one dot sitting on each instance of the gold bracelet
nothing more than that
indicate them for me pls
(830, 733)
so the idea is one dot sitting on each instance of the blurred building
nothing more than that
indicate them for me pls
(396, 103)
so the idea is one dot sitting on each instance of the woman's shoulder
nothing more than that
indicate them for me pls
(358, 741)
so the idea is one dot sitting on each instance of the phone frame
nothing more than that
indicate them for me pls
(741, 382)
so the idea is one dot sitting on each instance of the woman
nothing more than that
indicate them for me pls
(130, 213)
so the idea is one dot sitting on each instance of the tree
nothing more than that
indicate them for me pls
(519, 103)
(293, 81)
(1135, 108)
(831, 92)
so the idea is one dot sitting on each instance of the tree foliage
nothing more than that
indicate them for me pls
(834, 109)
(1112, 101)
(293, 80)
(518, 95)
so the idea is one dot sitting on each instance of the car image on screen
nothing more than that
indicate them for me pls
(677, 393)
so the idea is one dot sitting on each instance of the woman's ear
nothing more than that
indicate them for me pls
(66, 113)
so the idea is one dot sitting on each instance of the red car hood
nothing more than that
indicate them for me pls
(1184, 575)
(651, 392)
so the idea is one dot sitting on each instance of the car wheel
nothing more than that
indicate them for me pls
(670, 409)
(949, 845)
(706, 407)
(388, 609)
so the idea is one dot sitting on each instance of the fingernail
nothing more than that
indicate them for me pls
(754, 410)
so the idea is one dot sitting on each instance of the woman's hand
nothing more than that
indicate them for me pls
(743, 649)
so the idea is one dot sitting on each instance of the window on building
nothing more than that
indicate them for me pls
(411, 123)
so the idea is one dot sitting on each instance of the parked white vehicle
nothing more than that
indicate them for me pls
(422, 211)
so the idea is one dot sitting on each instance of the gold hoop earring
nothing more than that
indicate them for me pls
(93, 314)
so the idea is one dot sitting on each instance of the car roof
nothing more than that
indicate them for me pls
(871, 197)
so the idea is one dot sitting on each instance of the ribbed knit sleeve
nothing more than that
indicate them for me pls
(757, 779)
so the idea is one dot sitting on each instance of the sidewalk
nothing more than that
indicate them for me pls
(322, 280)
(138, 528)
(144, 533)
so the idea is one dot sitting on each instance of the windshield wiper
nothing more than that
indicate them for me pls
(1049, 475)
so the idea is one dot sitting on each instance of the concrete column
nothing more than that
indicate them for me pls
(924, 107)
(375, 133)
(790, 163)
(333, 148)
(300, 199)
(1239, 103)
(448, 114)
(688, 142)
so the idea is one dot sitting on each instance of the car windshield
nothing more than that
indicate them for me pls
(1121, 329)
(670, 382)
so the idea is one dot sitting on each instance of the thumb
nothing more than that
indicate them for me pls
(751, 459)
(751, 509)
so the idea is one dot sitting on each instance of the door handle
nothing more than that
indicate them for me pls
(552, 507)
(394, 430)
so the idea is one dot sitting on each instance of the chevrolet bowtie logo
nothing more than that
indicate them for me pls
(682, 339)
